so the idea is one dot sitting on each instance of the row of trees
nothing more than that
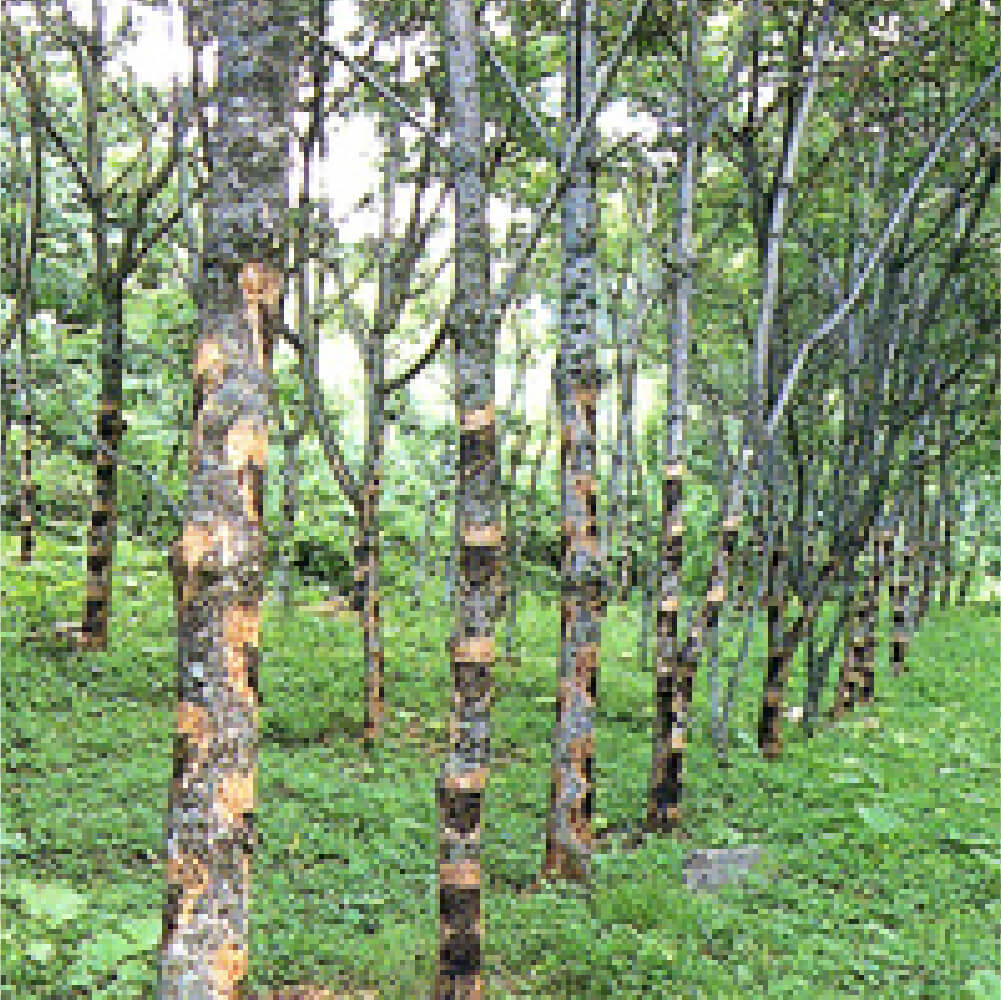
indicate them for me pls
(779, 253)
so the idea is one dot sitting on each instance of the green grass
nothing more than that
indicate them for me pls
(881, 850)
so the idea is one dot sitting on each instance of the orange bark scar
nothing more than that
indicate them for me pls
(240, 627)
(468, 781)
(477, 649)
(192, 876)
(229, 967)
(475, 420)
(234, 796)
(196, 542)
(209, 360)
(465, 874)
(193, 722)
(261, 289)
(246, 443)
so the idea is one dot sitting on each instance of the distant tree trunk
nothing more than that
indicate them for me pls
(925, 551)
(218, 563)
(571, 802)
(671, 675)
(646, 538)
(853, 682)
(878, 562)
(518, 440)
(947, 510)
(770, 721)
(367, 597)
(627, 389)
(103, 515)
(464, 773)
(290, 502)
(519, 536)
(25, 308)
(901, 637)
(367, 551)
(971, 567)
(613, 515)
(104, 508)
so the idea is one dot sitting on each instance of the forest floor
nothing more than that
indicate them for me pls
(880, 873)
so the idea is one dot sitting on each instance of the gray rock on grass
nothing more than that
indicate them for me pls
(709, 870)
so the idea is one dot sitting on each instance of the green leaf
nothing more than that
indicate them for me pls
(983, 985)
(39, 951)
(106, 950)
(145, 932)
(877, 819)
(53, 902)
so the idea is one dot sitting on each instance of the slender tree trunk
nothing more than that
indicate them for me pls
(856, 684)
(974, 561)
(290, 502)
(367, 602)
(571, 802)
(901, 637)
(25, 308)
(627, 516)
(218, 562)
(671, 676)
(613, 511)
(770, 722)
(948, 508)
(103, 516)
(104, 508)
(924, 552)
(645, 553)
(477, 517)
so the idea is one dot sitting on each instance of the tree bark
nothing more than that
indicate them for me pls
(672, 678)
(110, 428)
(463, 777)
(569, 831)
(25, 308)
(901, 637)
(218, 563)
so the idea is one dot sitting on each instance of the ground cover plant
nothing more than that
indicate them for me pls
(881, 864)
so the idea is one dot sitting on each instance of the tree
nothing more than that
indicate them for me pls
(218, 561)
(464, 773)
(569, 830)
(130, 211)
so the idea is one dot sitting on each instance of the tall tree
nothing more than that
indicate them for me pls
(23, 315)
(571, 801)
(218, 562)
(477, 516)
(670, 678)
(127, 219)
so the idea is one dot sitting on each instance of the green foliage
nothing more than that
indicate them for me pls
(881, 858)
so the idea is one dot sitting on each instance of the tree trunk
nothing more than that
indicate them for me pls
(627, 517)
(901, 636)
(974, 561)
(477, 519)
(924, 553)
(569, 831)
(25, 308)
(770, 721)
(672, 679)
(218, 563)
(290, 502)
(948, 508)
(104, 508)
(367, 605)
